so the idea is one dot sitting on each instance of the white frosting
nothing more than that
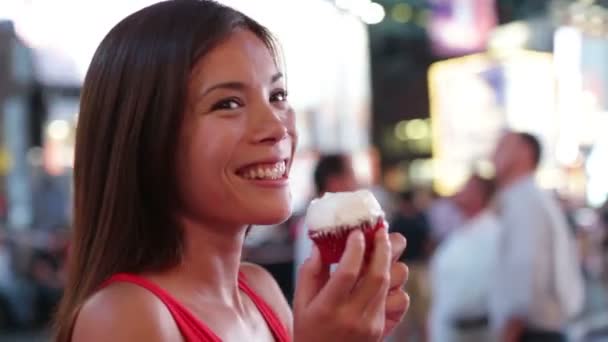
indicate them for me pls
(340, 209)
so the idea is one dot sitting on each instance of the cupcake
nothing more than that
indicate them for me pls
(331, 218)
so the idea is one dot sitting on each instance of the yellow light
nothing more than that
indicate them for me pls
(401, 130)
(6, 161)
(422, 18)
(512, 36)
(422, 145)
(421, 169)
(373, 14)
(402, 13)
(417, 129)
(58, 130)
(485, 169)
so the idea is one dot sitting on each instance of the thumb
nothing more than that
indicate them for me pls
(312, 276)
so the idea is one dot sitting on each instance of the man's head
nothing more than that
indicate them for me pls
(407, 203)
(475, 196)
(335, 173)
(516, 155)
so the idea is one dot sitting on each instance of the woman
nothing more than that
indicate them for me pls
(185, 138)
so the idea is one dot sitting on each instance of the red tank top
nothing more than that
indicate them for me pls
(191, 328)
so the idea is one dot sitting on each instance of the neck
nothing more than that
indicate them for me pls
(513, 177)
(210, 262)
(472, 213)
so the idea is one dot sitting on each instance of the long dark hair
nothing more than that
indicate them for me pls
(132, 106)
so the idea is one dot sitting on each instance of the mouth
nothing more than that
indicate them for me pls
(265, 171)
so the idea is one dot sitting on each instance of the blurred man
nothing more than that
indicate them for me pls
(333, 173)
(444, 217)
(411, 222)
(538, 284)
(462, 268)
(386, 198)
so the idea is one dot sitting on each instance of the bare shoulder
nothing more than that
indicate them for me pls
(124, 312)
(262, 282)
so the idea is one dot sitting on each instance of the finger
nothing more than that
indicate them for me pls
(342, 281)
(399, 273)
(371, 293)
(396, 305)
(312, 275)
(395, 314)
(398, 244)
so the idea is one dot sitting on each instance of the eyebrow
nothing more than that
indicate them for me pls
(276, 77)
(238, 85)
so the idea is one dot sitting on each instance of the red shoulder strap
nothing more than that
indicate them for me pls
(274, 323)
(192, 329)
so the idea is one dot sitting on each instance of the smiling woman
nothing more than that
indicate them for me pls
(185, 138)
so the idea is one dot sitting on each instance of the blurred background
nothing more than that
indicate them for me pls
(413, 94)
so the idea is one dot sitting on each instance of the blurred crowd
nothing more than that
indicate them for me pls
(31, 277)
(32, 260)
(501, 259)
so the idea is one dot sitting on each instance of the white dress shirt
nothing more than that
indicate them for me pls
(538, 278)
(444, 217)
(461, 273)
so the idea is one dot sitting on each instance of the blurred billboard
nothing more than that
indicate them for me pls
(475, 98)
(459, 27)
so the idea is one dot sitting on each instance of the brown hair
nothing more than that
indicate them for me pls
(132, 106)
(534, 145)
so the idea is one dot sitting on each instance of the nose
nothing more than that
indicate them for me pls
(270, 126)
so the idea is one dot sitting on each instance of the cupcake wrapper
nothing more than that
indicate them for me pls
(331, 244)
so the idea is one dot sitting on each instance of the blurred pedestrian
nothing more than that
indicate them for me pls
(333, 173)
(538, 284)
(444, 216)
(385, 197)
(462, 268)
(412, 223)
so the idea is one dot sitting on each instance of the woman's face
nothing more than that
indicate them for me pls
(238, 137)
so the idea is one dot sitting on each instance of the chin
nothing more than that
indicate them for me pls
(269, 209)
(269, 215)
(272, 218)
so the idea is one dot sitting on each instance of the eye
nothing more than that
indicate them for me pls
(279, 96)
(227, 104)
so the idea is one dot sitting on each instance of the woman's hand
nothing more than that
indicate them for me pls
(397, 301)
(350, 305)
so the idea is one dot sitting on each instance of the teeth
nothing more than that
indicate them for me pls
(276, 171)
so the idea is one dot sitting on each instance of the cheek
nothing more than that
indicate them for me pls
(291, 127)
(205, 159)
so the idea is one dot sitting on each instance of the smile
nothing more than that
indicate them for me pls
(265, 171)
